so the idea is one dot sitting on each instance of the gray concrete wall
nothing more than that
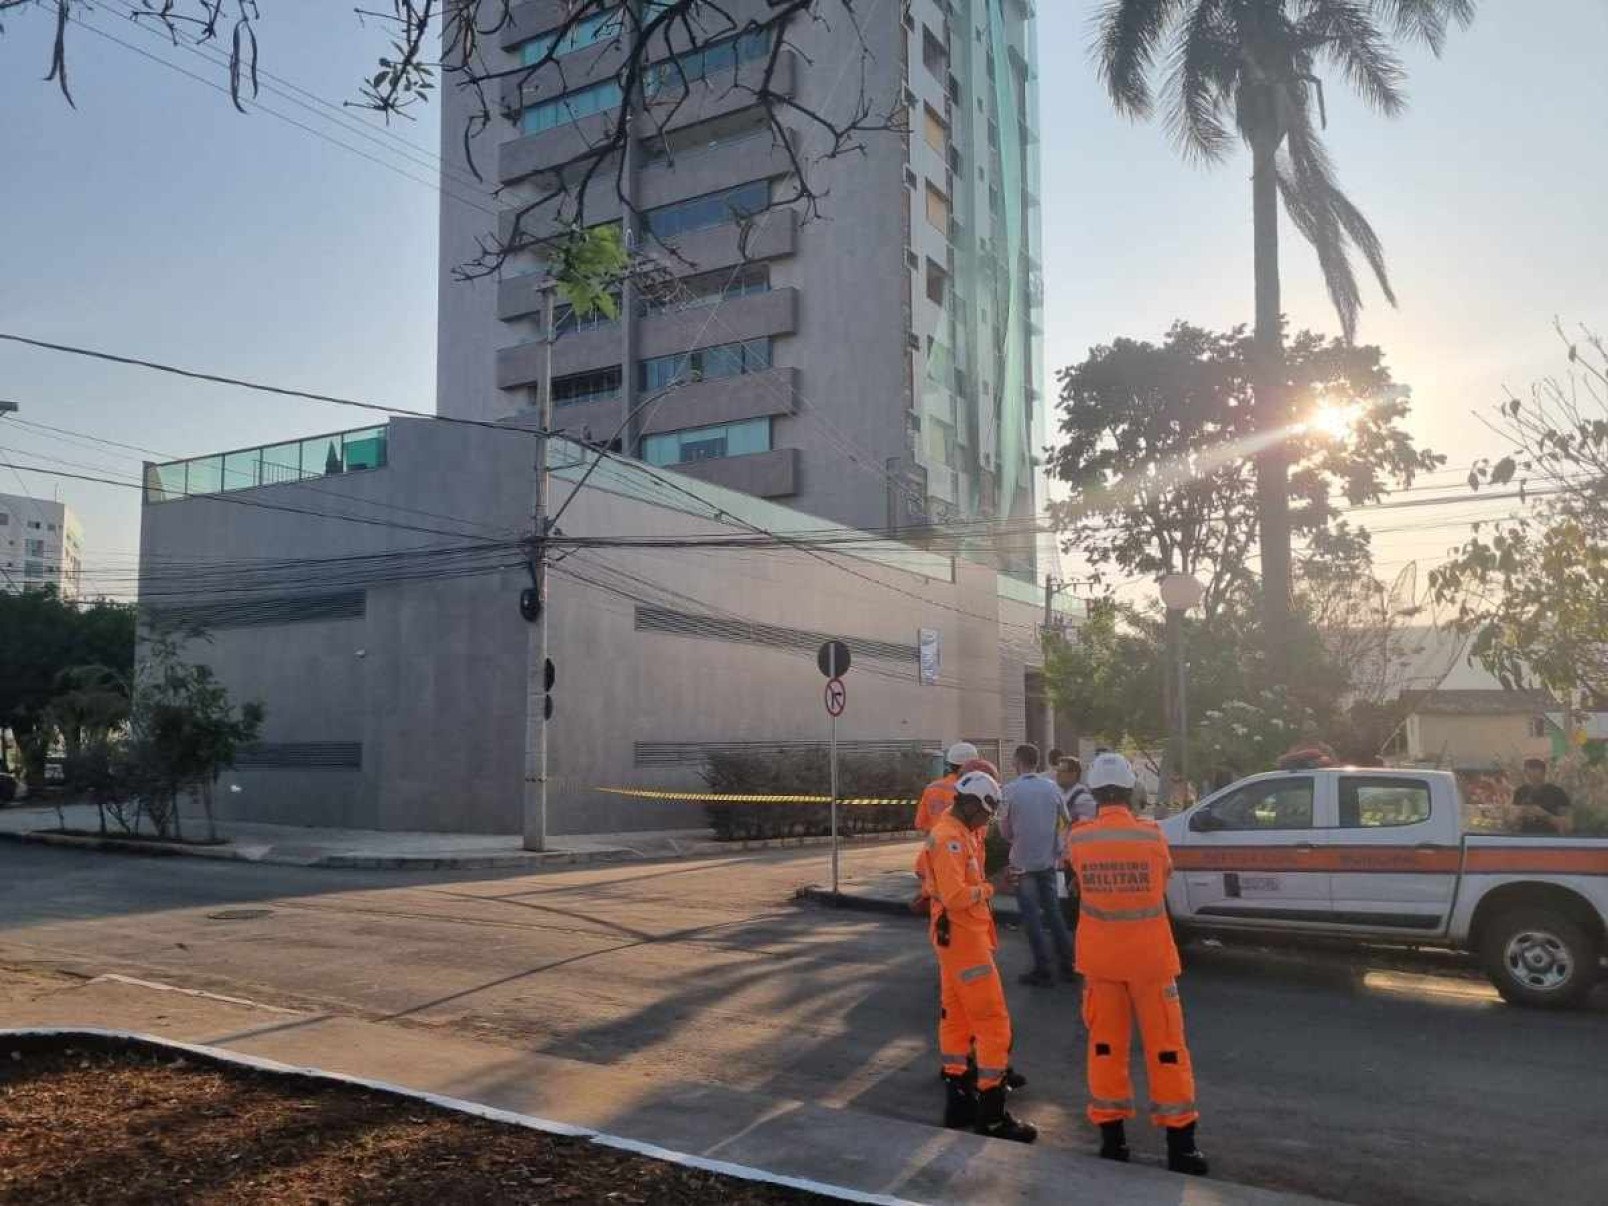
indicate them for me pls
(431, 678)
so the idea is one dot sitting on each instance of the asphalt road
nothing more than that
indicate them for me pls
(1399, 1080)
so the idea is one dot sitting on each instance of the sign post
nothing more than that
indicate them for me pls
(833, 659)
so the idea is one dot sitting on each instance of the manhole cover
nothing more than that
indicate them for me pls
(238, 914)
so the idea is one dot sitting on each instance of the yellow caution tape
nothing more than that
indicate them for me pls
(716, 797)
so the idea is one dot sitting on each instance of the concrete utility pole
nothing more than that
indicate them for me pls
(1044, 678)
(537, 700)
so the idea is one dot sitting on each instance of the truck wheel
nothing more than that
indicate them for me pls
(1540, 958)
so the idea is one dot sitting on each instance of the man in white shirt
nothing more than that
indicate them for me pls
(1080, 803)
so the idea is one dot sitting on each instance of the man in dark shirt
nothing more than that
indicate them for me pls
(1540, 807)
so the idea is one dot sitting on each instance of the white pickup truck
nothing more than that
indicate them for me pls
(1381, 856)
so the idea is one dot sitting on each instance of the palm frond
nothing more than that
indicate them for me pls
(1307, 185)
(1361, 232)
(1345, 34)
(1201, 81)
(1426, 21)
(1128, 34)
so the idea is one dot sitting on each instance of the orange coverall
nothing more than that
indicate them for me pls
(935, 800)
(1130, 965)
(971, 995)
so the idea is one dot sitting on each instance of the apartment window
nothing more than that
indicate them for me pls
(33, 569)
(571, 107)
(34, 548)
(707, 61)
(5, 520)
(1538, 726)
(937, 209)
(711, 209)
(565, 319)
(937, 133)
(33, 525)
(937, 283)
(934, 54)
(708, 443)
(584, 33)
(579, 388)
(706, 364)
(707, 288)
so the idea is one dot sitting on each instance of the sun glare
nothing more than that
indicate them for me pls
(1335, 420)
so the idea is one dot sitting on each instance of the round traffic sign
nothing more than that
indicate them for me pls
(833, 658)
(837, 695)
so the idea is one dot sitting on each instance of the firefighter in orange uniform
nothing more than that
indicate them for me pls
(935, 800)
(1129, 962)
(973, 1010)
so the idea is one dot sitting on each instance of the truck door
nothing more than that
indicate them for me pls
(1250, 855)
(1393, 861)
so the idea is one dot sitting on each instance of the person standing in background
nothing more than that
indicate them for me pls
(1031, 818)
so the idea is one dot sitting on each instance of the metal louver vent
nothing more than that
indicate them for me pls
(681, 753)
(301, 755)
(266, 609)
(771, 636)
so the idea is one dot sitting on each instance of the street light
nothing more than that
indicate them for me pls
(1179, 593)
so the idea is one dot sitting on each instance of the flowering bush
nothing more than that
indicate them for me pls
(1248, 735)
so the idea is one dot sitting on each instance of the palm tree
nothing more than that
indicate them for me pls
(1252, 67)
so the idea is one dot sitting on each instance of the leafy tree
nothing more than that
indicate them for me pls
(1252, 68)
(1155, 446)
(455, 43)
(1533, 589)
(44, 642)
(185, 732)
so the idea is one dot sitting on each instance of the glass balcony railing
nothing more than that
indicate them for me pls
(269, 465)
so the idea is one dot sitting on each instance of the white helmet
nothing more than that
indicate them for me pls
(980, 786)
(960, 753)
(1110, 770)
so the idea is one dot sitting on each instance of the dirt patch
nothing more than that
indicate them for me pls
(109, 1123)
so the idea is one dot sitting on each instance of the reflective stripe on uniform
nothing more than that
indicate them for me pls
(969, 974)
(1145, 914)
(1111, 1103)
(1092, 834)
(949, 1057)
(991, 1073)
(1172, 1109)
(1170, 992)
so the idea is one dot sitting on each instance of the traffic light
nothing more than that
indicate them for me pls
(549, 677)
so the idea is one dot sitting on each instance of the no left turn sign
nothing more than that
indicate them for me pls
(837, 695)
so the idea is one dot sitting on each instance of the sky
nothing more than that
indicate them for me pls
(155, 220)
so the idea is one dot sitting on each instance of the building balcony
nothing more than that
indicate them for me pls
(724, 400)
(772, 474)
(530, 153)
(753, 316)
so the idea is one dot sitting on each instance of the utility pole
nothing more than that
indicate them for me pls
(1044, 678)
(537, 700)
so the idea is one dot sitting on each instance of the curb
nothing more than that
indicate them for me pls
(528, 859)
(148, 847)
(744, 1172)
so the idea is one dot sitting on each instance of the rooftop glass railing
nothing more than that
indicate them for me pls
(269, 465)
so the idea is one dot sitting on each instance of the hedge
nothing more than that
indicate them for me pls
(809, 772)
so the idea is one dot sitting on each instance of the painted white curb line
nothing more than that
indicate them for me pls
(492, 1113)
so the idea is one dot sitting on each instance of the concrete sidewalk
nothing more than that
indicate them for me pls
(844, 1148)
(371, 849)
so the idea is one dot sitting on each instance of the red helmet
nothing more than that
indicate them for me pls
(981, 764)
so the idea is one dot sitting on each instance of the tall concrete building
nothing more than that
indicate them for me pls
(878, 365)
(41, 545)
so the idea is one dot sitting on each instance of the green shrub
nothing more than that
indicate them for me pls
(807, 773)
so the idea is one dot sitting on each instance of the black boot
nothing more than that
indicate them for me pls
(960, 1103)
(1014, 1079)
(1182, 1154)
(1113, 1141)
(995, 1123)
